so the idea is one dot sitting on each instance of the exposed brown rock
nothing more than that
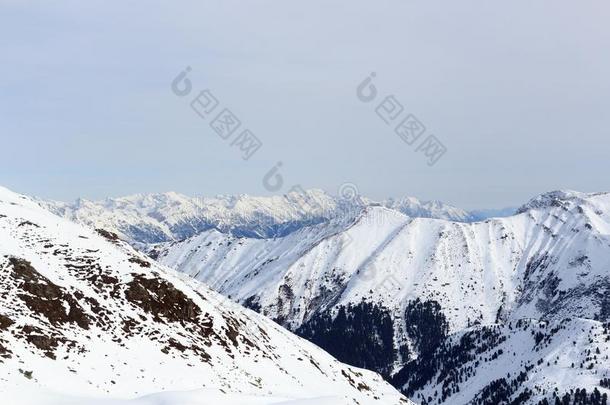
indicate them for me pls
(5, 322)
(45, 343)
(45, 298)
(5, 353)
(24, 223)
(111, 236)
(130, 326)
(137, 260)
(162, 300)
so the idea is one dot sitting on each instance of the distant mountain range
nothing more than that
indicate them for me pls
(153, 218)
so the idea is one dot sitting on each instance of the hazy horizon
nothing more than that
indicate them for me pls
(515, 92)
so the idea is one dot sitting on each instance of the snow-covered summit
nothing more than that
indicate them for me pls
(559, 198)
(414, 207)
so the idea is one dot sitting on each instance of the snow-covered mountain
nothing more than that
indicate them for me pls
(84, 318)
(153, 218)
(389, 287)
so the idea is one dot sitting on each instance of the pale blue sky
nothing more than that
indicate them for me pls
(517, 91)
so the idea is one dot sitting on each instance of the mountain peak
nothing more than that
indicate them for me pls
(556, 198)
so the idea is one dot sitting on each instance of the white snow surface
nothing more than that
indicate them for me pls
(195, 397)
(87, 319)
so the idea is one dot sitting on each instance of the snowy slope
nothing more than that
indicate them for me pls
(86, 319)
(150, 218)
